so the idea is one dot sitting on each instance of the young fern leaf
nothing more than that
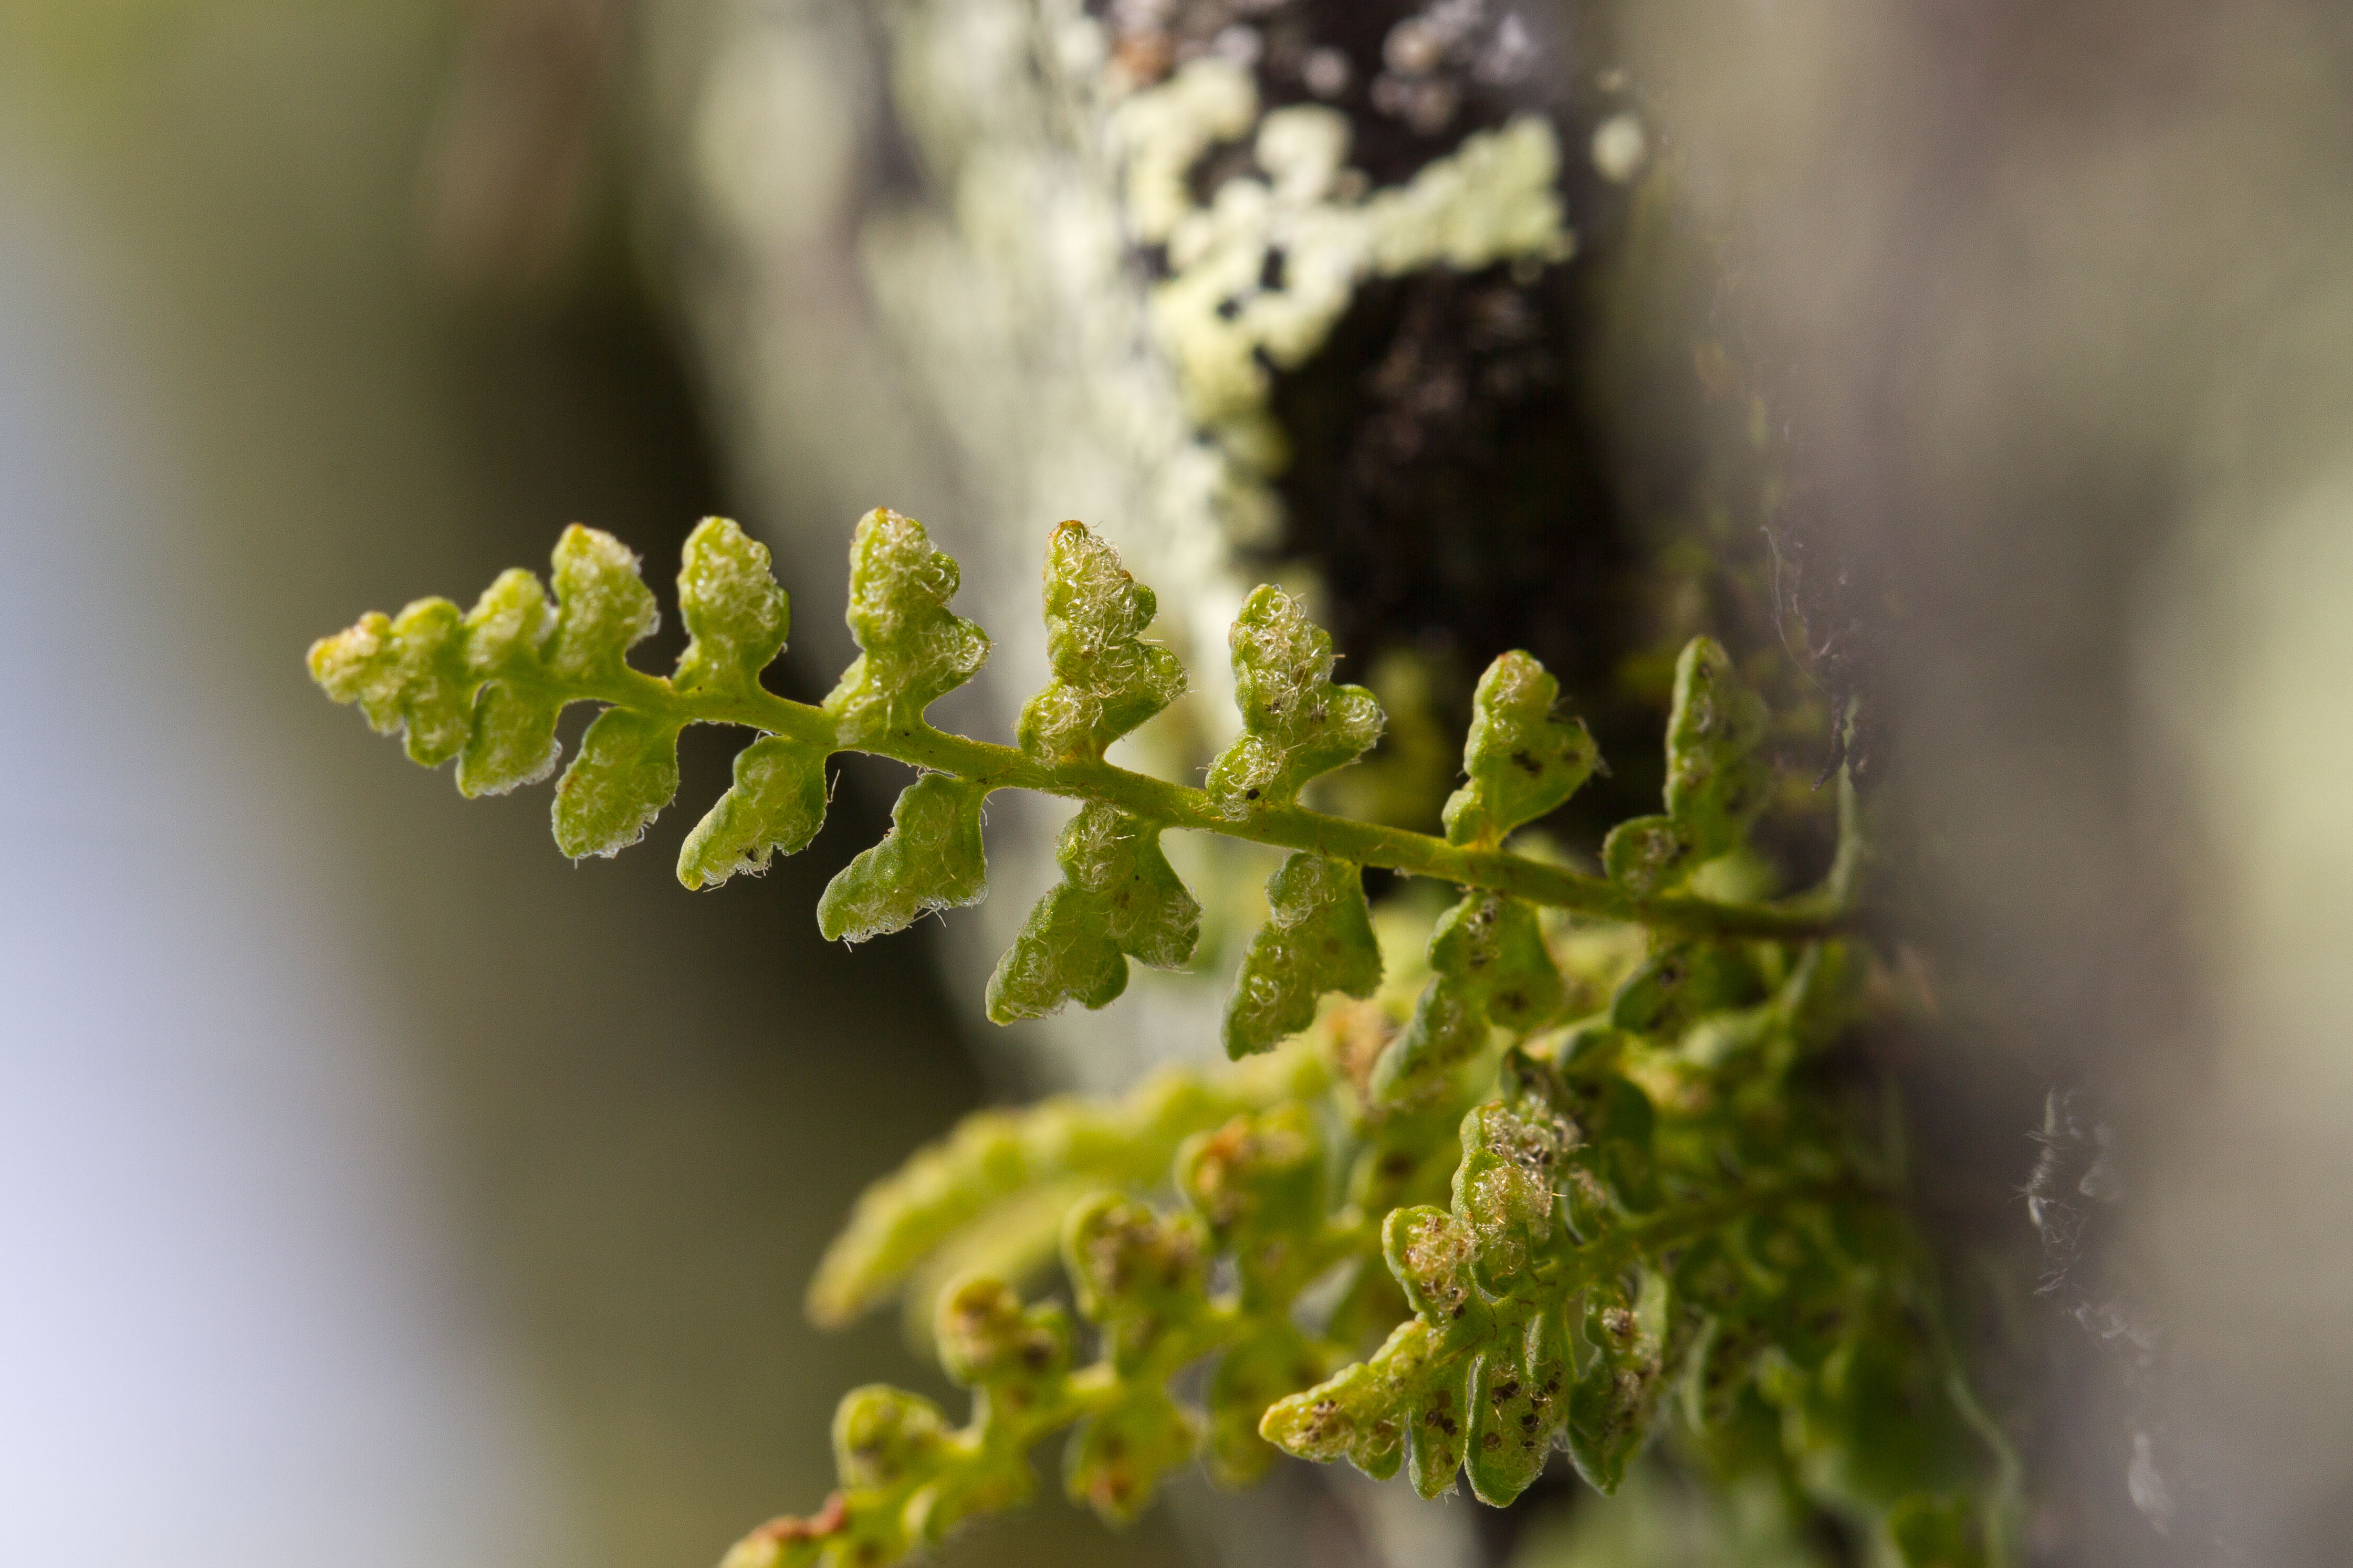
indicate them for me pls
(419, 673)
(602, 607)
(908, 1479)
(775, 806)
(1613, 1403)
(1106, 681)
(1484, 1377)
(1649, 1216)
(1475, 1372)
(424, 673)
(914, 650)
(1296, 722)
(489, 686)
(1488, 964)
(1716, 784)
(511, 739)
(1119, 898)
(1602, 1263)
(1489, 970)
(408, 674)
(1258, 1182)
(1318, 938)
(1524, 757)
(628, 767)
(738, 618)
(511, 665)
(1141, 1278)
(514, 742)
(931, 859)
(626, 773)
(952, 1188)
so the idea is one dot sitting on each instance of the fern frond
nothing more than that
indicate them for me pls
(1251, 1192)
(914, 650)
(1317, 939)
(1296, 723)
(1523, 758)
(1564, 1181)
(1107, 679)
(1119, 898)
(994, 1157)
(1715, 782)
(1604, 1261)
(932, 858)
(489, 686)
(1489, 970)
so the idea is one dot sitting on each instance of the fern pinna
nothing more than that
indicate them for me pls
(1574, 1169)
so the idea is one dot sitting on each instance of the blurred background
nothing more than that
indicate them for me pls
(378, 1188)
(375, 1186)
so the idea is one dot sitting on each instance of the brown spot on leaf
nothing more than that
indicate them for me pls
(830, 1519)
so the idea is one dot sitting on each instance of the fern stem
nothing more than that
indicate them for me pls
(1180, 806)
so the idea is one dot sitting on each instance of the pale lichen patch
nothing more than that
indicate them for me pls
(1264, 268)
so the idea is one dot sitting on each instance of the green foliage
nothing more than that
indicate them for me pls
(1716, 784)
(1141, 1276)
(626, 773)
(1489, 971)
(997, 1158)
(1119, 898)
(1107, 680)
(737, 617)
(1578, 1170)
(915, 651)
(1318, 938)
(512, 743)
(602, 607)
(734, 613)
(408, 674)
(931, 859)
(1296, 722)
(775, 807)
(488, 688)
(1524, 757)
(1639, 1229)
